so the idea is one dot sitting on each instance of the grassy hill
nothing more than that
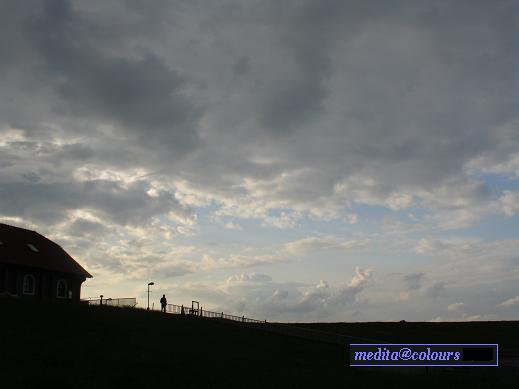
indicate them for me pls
(505, 333)
(59, 345)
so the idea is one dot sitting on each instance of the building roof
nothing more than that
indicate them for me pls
(28, 248)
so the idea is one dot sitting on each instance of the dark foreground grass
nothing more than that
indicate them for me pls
(504, 333)
(72, 346)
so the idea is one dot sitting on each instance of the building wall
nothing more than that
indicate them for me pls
(45, 283)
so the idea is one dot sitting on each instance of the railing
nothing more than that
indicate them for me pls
(118, 302)
(179, 310)
(278, 328)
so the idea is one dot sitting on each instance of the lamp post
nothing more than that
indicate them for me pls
(150, 283)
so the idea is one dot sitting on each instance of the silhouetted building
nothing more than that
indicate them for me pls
(32, 266)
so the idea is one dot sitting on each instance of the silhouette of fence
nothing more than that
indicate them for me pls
(118, 302)
(177, 309)
(278, 328)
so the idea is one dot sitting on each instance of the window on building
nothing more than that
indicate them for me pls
(61, 289)
(29, 284)
(33, 247)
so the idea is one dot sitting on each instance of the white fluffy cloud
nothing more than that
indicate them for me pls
(510, 203)
(511, 302)
(455, 306)
(322, 243)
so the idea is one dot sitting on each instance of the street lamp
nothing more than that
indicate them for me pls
(150, 283)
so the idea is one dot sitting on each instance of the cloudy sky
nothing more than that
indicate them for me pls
(287, 160)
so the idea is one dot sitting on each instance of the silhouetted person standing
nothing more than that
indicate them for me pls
(163, 303)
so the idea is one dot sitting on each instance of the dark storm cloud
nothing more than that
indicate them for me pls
(49, 203)
(11, 38)
(241, 66)
(436, 290)
(85, 64)
(81, 227)
(75, 152)
(413, 281)
(307, 33)
(306, 105)
(403, 94)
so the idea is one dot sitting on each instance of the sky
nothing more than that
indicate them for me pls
(284, 160)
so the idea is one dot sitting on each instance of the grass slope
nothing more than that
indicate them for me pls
(504, 333)
(58, 345)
